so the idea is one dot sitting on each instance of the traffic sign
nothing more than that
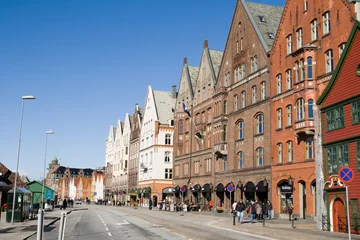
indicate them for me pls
(183, 189)
(346, 174)
(230, 188)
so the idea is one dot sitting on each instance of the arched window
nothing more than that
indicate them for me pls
(235, 102)
(288, 79)
(260, 156)
(241, 160)
(236, 74)
(253, 97)
(278, 84)
(263, 90)
(300, 110)
(259, 123)
(290, 151)
(288, 115)
(310, 108)
(280, 152)
(255, 64)
(252, 65)
(240, 127)
(243, 99)
(279, 118)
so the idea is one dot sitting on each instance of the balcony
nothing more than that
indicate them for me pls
(304, 125)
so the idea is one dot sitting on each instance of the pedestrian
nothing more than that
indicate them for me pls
(269, 208)
(258, 210)
(290, 210)
(240, 208)
(252, 211)
(234, 207)
(64, 204)
(150, 204)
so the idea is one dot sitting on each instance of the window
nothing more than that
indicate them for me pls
(241, 44)
(314, 30)
(358, 155)
(329, 61)
(197, 167)
(243, 99)
(225, 107)
(279, 118)
(252, 65)
(300, 110)
(335, 119)
(309, 67)
(263, 90)
(167, 157)
(297, 70)
(289, 47)
(253, 98)
(279, 84)
(262, 19)
(310, 108)
(181, 126)
(237, 47)
(290, 151)
(309, 148)
(326, 20)
(341, 49)
(224, 163)
(243, 72)
(337, 157)
(288, 79)
(260, 157)
(241, 160)
(289, 115)
(306, 6)
(168, 173)
(255, 64)
(299, 35)
(186, 169)
(235, 102)
(280, 152)
(355, 112)
(168, 139)
(224, 133)
(260, 124)
(236, 74)
(208, 165)
(227, 79)
(240, 126)
(302, 66)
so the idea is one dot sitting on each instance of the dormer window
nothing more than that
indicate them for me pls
(262, 19)
(271, 36)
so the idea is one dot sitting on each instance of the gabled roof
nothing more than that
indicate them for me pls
(339, 66)
(265, 20)
(193, 74)
(216, 57)
(141, 113)
(112, 132)
(164, 104)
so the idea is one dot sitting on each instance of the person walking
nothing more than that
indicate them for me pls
(64, 204)
(269, 209)
(290, 210)
(240, 208)
(252, 211)
(259, 210)
(234, 207)
(150, 204)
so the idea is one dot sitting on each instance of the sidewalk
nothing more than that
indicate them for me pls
(24, 230)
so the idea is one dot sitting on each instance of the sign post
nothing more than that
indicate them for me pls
(346, 175)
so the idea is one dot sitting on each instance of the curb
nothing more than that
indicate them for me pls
(54, 221)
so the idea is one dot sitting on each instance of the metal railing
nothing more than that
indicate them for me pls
(354, 224)
(326, 225)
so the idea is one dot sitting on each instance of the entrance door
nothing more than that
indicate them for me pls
(338, 216)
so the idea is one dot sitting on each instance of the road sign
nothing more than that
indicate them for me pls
(346, 174)
(183, 189)
(230, 188)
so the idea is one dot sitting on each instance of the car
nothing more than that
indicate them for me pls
(78, 202)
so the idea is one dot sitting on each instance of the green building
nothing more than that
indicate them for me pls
(36, 188)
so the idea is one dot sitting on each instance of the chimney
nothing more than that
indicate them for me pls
(185, 61)
(206, 43)
(173, 94)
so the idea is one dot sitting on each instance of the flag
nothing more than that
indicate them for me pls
(186, 109)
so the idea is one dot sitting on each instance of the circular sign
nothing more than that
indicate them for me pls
(230, 188)
(346, 174)
(183, 189)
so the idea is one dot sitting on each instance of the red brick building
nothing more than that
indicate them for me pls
(340, 118)
(308, 45)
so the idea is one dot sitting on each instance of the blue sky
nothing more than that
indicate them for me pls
(88, 63)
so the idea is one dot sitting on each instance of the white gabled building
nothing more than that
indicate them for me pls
(116, 180)
(156, 145)
(124, 160)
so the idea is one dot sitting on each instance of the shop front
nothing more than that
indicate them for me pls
(261, 191)
(285, 192)
(206, 191)
(249, 192)
(168, 195)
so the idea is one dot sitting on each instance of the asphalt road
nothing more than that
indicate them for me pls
(107, 223)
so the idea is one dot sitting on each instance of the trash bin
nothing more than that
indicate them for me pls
(22, 204)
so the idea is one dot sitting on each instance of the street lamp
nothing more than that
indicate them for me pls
(44, 179)
(18, 154)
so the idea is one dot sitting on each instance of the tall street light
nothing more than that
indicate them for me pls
(44, 179)
(18, 154)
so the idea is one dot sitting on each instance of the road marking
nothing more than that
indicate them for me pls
(166, 229)
(178, 234)
(124, 223)
(106, 229)
(104, 224)
(109, 234)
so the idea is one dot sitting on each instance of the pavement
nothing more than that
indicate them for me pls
(24, 230)
(109, 222)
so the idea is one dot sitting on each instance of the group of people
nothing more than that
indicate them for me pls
(66, 203)
(255, 209)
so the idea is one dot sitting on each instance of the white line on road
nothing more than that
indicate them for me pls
(106, 229)
(109, 234)
(104, 224)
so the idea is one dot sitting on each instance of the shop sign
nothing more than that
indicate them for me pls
(287, 189)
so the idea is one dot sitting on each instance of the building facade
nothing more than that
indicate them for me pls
(241, 126)
(136, 121)
(307, 47)
(124, 160)
(340, 118)
(156, 145)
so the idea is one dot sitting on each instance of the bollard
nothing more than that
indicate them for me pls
(293, 222)
(62, 225)
(263, 221)
(234, 217)
(40, 225)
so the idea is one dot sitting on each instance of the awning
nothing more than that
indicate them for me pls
(196, 188)
(138, 191)
(168, 190)
(261, 186)
(220, 188)
(206, 188)
(249, 187)
(146, 190)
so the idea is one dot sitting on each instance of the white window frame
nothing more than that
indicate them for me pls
(326, 23)
(253, 95)
(299, 35)
(289, 44)
(314, 30)
(288, 79)
(329, 61)
(278, 84)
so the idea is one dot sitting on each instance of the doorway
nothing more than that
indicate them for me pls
(302, 199)
(337, 215)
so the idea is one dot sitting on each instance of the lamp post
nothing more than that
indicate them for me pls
(18, 154)
(44, 179)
